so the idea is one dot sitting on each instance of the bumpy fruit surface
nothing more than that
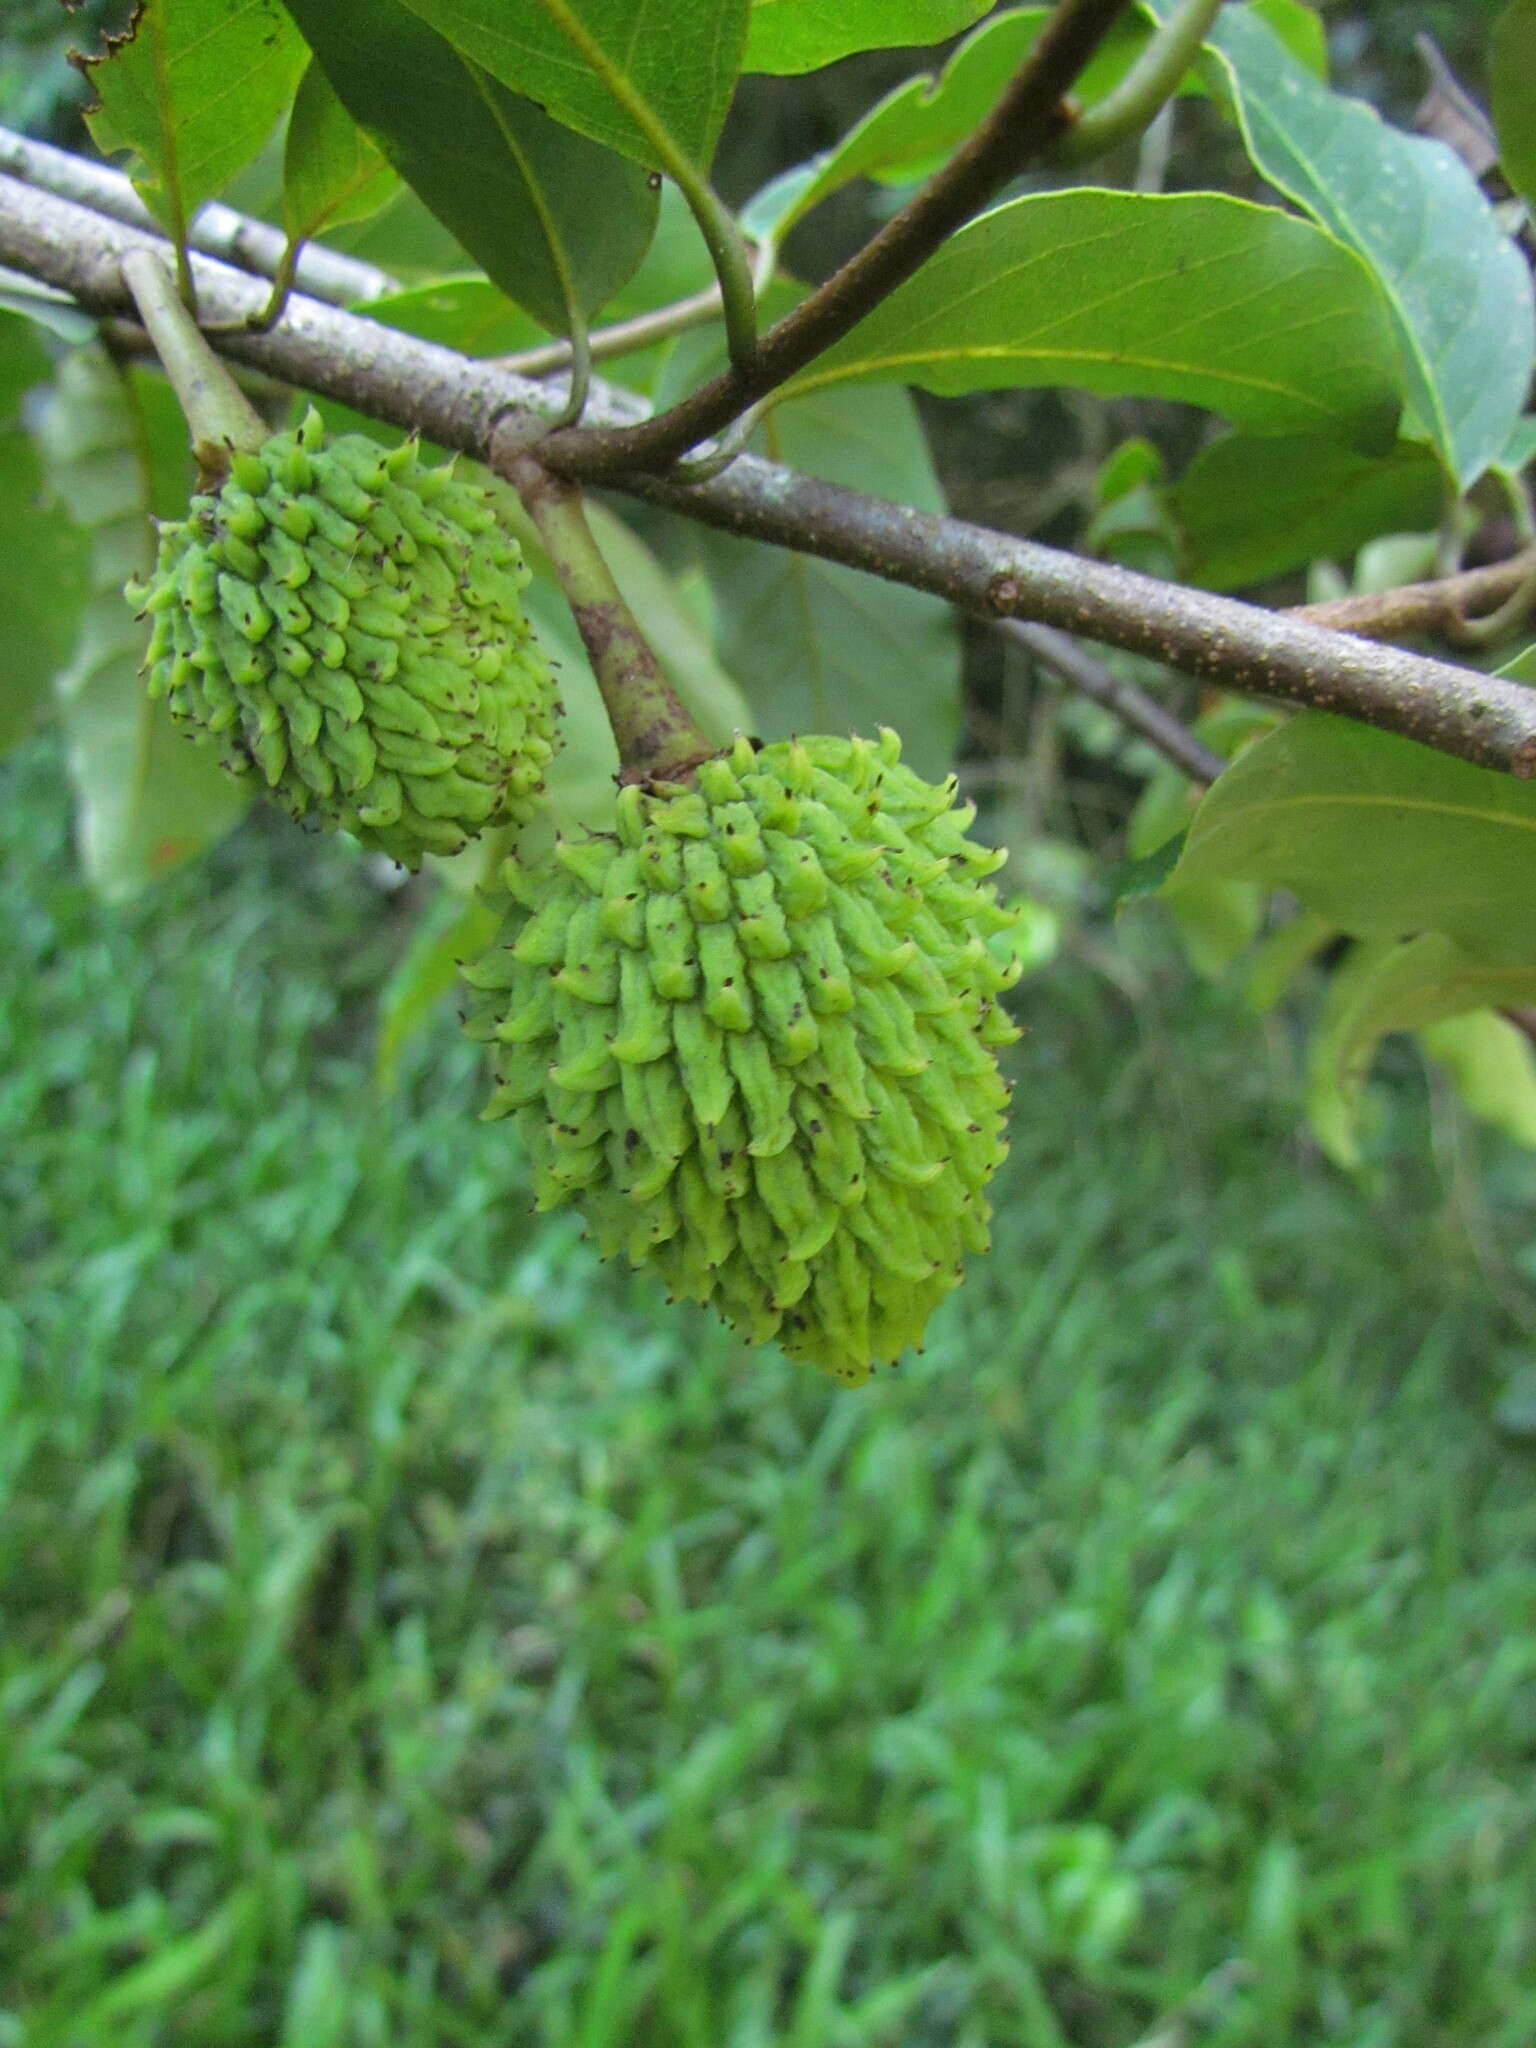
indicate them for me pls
(346, 622)
(752, 1035)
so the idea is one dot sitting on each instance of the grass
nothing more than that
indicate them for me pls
(411, 1634)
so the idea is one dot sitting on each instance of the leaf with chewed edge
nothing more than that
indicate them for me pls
(194, 88)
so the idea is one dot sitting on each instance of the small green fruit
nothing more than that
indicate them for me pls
(752, 1035)
(347, 623)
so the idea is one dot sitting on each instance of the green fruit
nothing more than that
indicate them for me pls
(752, 1036)
(347, 623)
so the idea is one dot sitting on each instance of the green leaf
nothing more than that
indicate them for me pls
(1384, 987)
(1193, 296)
(147, 796)
(1512, 67)
(53, 311)
(454, 929)
(1143, 875)
(1458, 290)
(649, 78)
(558, 223)
(1380, 835)
(24, 365)
(470, 315)
(43, 562)
(194, 89)
(912, 129)
(1492, 1068)
(464, 313)
(1300, 27)
(1519, 450)
(332, 171)
(802, 35)
(1254, 506)
(1216, 919)
(1034, 937)
(1281, 955)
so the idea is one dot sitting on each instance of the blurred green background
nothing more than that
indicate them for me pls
(411, 1633)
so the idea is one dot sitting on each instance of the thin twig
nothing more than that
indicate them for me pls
(488, 413)
(1147, 87)
(220, 418)
(623, 337)
(1031, 115)
(1418, 611)
(1134, 708)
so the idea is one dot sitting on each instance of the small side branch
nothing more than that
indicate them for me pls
(1444, 608)
(1148, 86)
(1031, 115)
(1061, 654)
(623, 337)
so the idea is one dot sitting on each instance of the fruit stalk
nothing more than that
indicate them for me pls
(222, 421)
(657, 739)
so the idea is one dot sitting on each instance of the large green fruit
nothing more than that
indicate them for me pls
(752, 1035)
(347, 623)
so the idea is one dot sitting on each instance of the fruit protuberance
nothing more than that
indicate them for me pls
(752, 1035)
(346, 622)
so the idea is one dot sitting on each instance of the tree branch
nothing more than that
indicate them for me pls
(1031, 115)
(216, 230)
(1418, 611)
(1060, 653)
(485, 411)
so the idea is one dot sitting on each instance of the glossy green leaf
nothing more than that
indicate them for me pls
(1253, 506)
(1458, 290)
(557, 222)
(649, 78)
(43, 561)
(1512, 68)
(1194, 296)
(1380, 835)
(147, 797)
(802, 35)
(1492, 1067)
(194, 89)
(1383, 987)
(332, 171)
